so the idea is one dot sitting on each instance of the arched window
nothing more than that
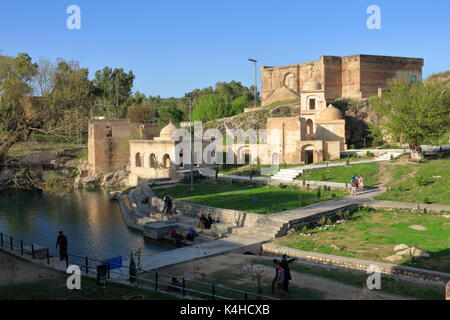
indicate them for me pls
(166, 161)
(138, 160)
(309, 126)
(152, 160)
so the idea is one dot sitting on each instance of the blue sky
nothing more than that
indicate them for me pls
(176, 46)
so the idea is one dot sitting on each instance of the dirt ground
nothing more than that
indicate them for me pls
(233, 265)
(15, 270)
(385, 171)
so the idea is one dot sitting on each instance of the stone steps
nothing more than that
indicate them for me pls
(287, 174)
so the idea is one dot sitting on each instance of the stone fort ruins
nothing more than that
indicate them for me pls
(357, 76)
(316, 135)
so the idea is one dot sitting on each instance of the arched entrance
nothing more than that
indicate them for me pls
(310, 154)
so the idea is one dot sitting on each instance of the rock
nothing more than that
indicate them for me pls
(404, 252)
(89, 182)
(446, 216)
(335, 247)
(6, 175)
(401, 247)
(108, 176)
(414, 252)
(281, 110)
(394, 258)
(418, 228)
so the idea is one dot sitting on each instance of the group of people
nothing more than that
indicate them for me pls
(205, 222)
(282, 276)
(357, 184)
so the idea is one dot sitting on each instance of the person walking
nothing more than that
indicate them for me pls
(62, 243)
(281, 291)
(354, 187)
(287, 273)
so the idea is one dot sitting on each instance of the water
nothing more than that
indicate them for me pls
(92, 223)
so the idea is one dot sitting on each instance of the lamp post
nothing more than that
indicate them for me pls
(256, 82)
(189, 96)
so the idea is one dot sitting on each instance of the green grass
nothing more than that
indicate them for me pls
(26, 148)
(225, 195)
(344, 174)
(372, 235)
(358, 279)
(406, 186)
(56, 289)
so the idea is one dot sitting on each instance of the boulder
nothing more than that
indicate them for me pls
(394, 258)
(418, 228)
(414, 252)
(90, 182)
(400, 247)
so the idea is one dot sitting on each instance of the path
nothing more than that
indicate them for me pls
(381, 204)
(206, 249)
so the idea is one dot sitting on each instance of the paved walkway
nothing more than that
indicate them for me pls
(206, 249)
(326, 206)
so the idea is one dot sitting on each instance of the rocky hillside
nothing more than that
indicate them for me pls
(357, 115)
(442, 77)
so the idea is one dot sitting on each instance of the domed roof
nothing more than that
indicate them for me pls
(168, 130)
(312, 85)
(330, 113)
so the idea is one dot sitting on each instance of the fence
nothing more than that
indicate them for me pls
(154, 280)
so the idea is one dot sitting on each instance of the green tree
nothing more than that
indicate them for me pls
(112, 89)
(210, 107)
(139, 113)
(239, 104)
(18, 118)
(416, 113)
(165, 114)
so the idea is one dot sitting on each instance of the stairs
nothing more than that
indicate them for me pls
(287, 175)
(388, 156)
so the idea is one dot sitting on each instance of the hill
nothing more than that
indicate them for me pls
(441, 77)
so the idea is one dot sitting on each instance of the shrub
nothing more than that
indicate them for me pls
(426, 200)
(319, 193)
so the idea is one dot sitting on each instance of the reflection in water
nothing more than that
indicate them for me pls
(92, 223)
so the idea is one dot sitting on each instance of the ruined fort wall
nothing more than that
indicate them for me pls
(351, 77)
(332, 77)
(378, 71)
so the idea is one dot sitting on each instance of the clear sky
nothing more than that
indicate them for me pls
(176, 46)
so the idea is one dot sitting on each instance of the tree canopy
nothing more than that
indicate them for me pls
(414, 113)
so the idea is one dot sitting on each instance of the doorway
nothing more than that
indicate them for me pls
(309, 156)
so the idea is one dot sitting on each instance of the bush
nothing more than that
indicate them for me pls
(422, 181)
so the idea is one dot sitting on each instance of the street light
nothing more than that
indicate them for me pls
(256, 82)
(189, 96)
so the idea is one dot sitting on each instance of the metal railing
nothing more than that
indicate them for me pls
(154, 280)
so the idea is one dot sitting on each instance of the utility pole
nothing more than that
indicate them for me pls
(255, 102)
(190, 141)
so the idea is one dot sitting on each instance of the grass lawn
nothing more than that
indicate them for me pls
(358, 279)
(25, 148)
(372, 235)
(56, 289)
(427, 182)
(309, 281)
(269, 199)
(344, 174)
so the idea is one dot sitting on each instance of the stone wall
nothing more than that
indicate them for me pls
(357, 264)
(357, 76)
(234, 218)
(108, 148)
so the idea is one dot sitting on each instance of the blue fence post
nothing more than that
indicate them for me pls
(12, 243)
(87, 265)
(32, 251)
(21, 247)
(1, 239)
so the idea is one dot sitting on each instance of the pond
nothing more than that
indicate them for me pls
(92, 223)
